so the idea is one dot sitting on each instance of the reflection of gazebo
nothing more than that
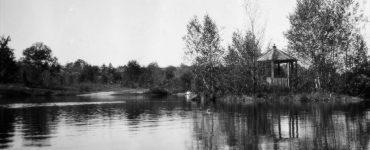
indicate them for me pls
(281, 67)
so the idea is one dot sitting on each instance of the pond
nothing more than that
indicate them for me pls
(172, 123)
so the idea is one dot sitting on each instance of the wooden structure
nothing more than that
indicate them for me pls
(282, 67)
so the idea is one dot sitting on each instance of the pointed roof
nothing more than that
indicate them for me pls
(276, 55)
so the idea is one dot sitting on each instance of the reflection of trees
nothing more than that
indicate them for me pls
(284, 126)
(7, 120)
(38, 124)
(207, 130)
(256, 126)
(346, 127)
(134, 111)
(234, 127)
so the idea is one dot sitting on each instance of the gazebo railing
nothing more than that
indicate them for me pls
(281, 82)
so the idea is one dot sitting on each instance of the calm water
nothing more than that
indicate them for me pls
(141, 123)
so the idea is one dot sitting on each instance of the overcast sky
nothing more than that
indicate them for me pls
(116, 31)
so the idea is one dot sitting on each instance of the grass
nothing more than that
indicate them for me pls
(19, 90)
(312, 97)
(324, 97)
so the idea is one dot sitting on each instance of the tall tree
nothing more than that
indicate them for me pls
(152, 76)
(132, 73)
(72, 72)
(203, 48)
(241, 60)
(39, 66)
(358, 60)
(39, 55)
(90, 73)
(8, 67)
(322, 34)
(244, 51)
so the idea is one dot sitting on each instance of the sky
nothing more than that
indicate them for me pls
(116, 31)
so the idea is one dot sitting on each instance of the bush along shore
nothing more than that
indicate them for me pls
(18, 90)
(313, 97)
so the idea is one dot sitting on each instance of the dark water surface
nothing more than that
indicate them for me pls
(144, 123)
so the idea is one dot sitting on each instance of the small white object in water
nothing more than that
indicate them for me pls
(187, 95)
(208, 111)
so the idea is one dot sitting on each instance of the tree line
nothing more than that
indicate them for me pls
(325, 36)
(39, 68)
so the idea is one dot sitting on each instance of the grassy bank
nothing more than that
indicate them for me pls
(19, 90)
(142, 91)
(314, 97)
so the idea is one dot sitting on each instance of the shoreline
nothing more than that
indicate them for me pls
(18, 90)
(307, 97)
(14, 90)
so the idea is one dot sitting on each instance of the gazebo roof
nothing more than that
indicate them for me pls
(276, 55)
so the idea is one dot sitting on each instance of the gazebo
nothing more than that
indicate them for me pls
(280, 67)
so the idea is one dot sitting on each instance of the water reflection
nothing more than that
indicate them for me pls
(174, 123)
(38, 126)
(285, 126)
(7, 120)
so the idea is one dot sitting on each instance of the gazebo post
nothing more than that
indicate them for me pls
(296, 74)
(272, 72)
(288, 72)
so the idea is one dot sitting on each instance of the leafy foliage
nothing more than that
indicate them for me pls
(204, 49)
(39, 67)
(324, 35)
(241, 63)
(8, 67)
